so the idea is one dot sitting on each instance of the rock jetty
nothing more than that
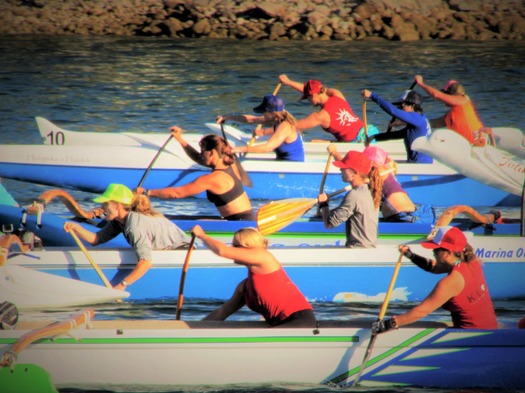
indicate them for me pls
(401, 20)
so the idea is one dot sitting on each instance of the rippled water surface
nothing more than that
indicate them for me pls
(149, 84)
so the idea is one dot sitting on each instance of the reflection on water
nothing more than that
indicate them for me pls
(143, 84)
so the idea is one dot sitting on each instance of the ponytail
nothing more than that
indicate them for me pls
(142, 204)
(375, 185)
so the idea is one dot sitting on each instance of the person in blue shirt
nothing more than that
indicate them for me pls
(285, 139)
(408, 109)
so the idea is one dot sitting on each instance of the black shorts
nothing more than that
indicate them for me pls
(303, 318)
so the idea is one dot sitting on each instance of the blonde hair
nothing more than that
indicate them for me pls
(142, 204)
(249, 238)
(456, 89)
(283, 115)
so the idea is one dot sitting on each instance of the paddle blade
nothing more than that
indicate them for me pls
(276, 215)
(24, 378)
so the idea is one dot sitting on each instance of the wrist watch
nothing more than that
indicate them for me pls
(124, 282)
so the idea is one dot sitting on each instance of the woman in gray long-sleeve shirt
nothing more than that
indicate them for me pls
(145, 229)
(360, 206)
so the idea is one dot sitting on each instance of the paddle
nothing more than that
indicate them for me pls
(183, 277)
(26, 377)
(323, 180)
(382, 313)
(245, 178)
(391, 122)
(93, 263)
(276, 215)
(364, 119)
(522, 213)
(254, 134)
(153, 161)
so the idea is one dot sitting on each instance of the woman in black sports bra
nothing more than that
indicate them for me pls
(222, 186)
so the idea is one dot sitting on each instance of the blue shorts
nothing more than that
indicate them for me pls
(372, 130)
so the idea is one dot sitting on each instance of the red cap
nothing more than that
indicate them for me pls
(450, 238)
(355, 160)
(313, 86)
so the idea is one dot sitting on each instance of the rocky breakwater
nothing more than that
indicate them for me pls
(406, 20)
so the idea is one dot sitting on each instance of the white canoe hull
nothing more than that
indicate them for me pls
(163, 354)
(54, 135)
(30, 289)
(486, 164)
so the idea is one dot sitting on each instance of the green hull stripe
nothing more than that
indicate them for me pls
(193, 340)
(390, 352)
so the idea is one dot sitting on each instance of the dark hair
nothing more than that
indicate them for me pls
(468, 254)
(417, 107)
(215, 142)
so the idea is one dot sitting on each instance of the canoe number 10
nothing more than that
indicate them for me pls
(56, 138)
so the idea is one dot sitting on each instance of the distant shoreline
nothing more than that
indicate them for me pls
(405, 20)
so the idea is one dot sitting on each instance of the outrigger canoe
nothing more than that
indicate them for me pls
(487, 164)
(323, 273)
(308, 231)
(79, 353)
(92, 168)
(509, 139)
(52, 134)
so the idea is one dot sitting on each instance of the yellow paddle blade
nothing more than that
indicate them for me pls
(276, 215)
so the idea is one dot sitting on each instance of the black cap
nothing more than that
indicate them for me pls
(410, 97)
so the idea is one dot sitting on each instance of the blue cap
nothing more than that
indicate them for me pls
(270, 103)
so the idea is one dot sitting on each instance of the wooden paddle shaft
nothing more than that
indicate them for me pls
(364, 119)
(323, 180)
(153, 161)
(180, 300)
(93, 263)
(382, 313)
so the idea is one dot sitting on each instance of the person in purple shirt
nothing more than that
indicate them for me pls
(407, 109)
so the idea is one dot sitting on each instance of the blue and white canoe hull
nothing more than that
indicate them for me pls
(180, 354)
(322, 273)
(92, 168)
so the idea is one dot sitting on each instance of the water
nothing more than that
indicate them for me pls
(149, 84)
